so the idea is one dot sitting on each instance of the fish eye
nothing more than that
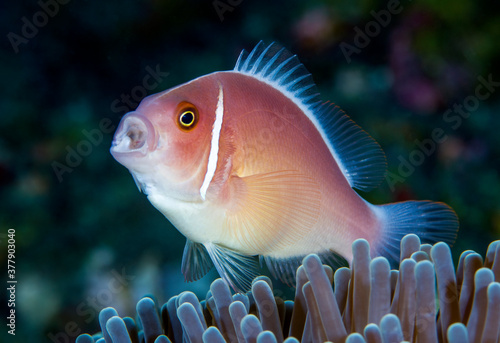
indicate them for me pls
(188, 118)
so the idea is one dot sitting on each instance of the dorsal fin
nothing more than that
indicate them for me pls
(358, 155)
(277, 67)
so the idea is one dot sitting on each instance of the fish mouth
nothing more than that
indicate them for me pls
(135, 137)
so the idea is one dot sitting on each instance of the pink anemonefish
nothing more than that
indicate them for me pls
(251, 162)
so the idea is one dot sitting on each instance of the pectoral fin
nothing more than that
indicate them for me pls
(273, 210)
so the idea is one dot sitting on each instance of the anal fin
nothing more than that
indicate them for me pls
(285, 269)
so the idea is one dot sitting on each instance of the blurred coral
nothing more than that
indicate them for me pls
(368, 303)
(315, 30)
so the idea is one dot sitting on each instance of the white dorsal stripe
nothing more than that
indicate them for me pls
(357, 155)
(214, 145)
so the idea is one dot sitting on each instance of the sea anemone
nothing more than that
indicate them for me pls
(425, 301)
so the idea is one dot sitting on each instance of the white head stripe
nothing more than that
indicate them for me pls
(214, 145)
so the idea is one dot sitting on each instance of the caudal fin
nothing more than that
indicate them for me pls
(431, 221)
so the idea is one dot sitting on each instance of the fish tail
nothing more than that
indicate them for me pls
(431, 221)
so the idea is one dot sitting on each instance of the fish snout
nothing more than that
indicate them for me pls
(135, 136)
